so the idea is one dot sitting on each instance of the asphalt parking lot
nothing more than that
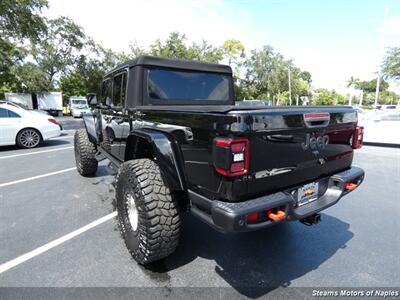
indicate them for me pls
(43, 199)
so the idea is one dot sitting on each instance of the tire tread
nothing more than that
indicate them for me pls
(86, 163)
(159, 233)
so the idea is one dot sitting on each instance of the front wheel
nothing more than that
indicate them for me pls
(85, 154)
(148, 215)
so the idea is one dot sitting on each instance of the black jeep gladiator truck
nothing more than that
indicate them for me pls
(172, 130)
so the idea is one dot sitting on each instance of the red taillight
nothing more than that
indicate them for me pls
(231, 156)
(52, 121)
(316, 116)
(358, 136)
(252, 217)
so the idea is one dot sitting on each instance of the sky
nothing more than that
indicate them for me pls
(332, 39)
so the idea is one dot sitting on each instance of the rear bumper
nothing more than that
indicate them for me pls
(52, 132)
(79, 113)
(76, 114)
(231, 217)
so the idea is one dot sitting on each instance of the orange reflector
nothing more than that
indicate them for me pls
(279, 215)
(350, 186)
(251, 218)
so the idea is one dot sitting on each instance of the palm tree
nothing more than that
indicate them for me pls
(353, 82)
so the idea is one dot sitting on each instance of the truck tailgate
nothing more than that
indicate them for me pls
(290, 148)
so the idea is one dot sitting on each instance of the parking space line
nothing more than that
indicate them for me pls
(37, 152)
(36, 177)
(27, 256)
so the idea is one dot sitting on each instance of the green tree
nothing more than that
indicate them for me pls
(20, 23)
(58, 50)
(370, 86)
(204, 52)
(353, 82)
(22, 18)
(302, 88)
(391, 65)
(30, 78)
(88, 71)
(258, 70)
(267, 76)
(233, 52)
(11, 56)
(175, 47)
(305, 76)
(282, 98)
(324, 97)
(389, 97)
(278, 80)
(341, 100)
(136, 50)
(84, 79)
(234, 55)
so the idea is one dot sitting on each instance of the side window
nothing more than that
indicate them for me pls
(106, 92)
(3, 113)
(12, 114)
(119, 89)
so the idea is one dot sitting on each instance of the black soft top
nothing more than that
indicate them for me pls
(174, 63)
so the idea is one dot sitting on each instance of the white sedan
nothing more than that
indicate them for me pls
(25, 128)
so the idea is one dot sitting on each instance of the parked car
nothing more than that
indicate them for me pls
(78, 106)
(183, 145)
(25, 128)
(387, 107)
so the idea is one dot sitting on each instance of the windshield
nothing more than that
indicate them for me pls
(185, 85)
(79, 103)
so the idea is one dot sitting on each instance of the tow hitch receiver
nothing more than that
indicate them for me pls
(279, 215)
(310, 220)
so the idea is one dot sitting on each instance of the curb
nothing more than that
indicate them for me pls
(388, 145)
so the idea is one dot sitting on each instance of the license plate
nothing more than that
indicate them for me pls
(307, 193)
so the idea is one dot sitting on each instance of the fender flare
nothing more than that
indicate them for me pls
(167, 152)
(90, 126)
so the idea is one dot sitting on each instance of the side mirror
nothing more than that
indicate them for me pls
(92, 100)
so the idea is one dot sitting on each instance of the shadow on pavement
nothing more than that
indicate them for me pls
(60, 142)
(258, 262)
(69, 123)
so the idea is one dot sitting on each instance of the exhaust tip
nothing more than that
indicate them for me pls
(311, 220)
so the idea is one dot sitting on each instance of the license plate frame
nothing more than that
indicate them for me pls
(307, 193)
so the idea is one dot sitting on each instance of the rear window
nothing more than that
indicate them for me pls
(3, 113)
(185, 85)
(12, 114)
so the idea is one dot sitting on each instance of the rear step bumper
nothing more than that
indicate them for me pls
(231, 216)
